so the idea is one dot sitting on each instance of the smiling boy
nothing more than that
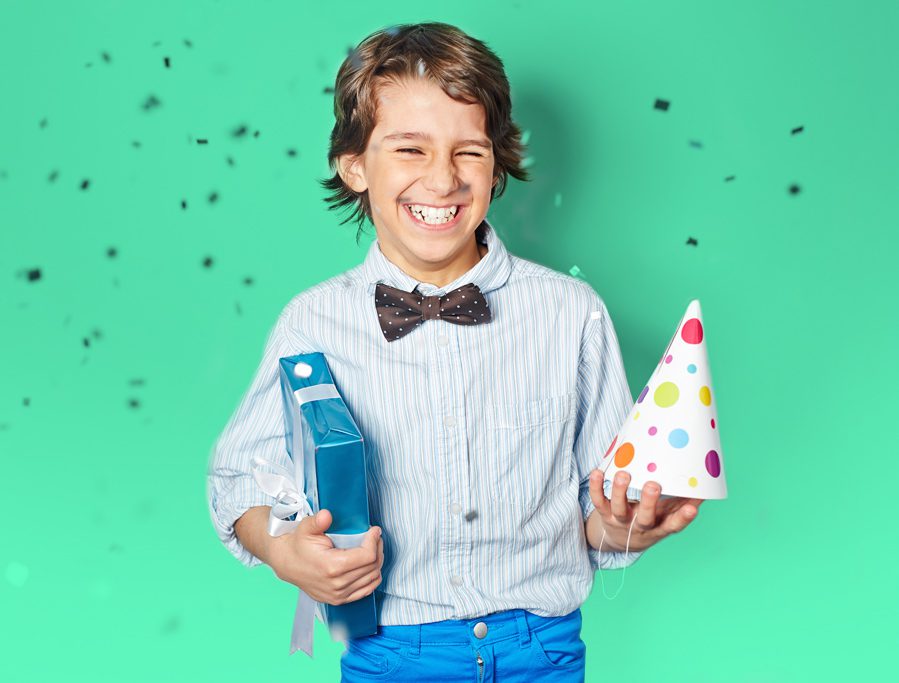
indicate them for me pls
(486, 386)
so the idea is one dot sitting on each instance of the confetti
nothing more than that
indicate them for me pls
(662, 105)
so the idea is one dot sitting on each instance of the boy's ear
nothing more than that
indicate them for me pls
(349, 169)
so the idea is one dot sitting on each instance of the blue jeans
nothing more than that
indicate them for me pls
(503, 647)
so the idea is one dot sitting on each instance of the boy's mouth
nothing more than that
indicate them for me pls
(444, 223)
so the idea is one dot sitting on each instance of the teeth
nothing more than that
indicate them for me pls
(433, 216)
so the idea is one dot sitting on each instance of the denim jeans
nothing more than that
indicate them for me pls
(503, 647)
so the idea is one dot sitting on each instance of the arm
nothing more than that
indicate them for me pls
(604, 401)
(255, 428)
(251, 530)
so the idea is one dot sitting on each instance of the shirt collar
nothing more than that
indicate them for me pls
(490, 272)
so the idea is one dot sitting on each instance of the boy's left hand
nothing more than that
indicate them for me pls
(656, 518)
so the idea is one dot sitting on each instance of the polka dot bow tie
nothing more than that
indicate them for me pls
(400, 312)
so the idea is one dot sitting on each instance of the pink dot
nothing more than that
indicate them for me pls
(713, 423)
(652, 431)
(651, 467)
(692, 331)
(668, 359)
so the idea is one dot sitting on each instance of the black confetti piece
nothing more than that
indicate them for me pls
(167, 62)
(230, 160)
(796, 130)
(34, 274)
(729, 178)
(112, 252)
(213, 197)
(135, 144)
(207, 262)
(183, 203)
(202, 141)
(661, 104)
(106, 57)
(470, 515)
(794, 189)
(43, 123)
(188, 43)
(136, 382)
(53, 176)
(152, 102)
(96, 333)
(291, 152)
(239, 132)
(85, 183)
(26, 401)
(696, 143)
(248, 281)
(691, 240)
(329, 90)
(133, 403)
(86, 342)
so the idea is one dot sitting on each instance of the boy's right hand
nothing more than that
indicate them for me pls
(307, 558)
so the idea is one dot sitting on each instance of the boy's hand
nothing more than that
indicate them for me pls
(308, 559)
(656, 518)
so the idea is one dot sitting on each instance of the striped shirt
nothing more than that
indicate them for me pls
(478, 439)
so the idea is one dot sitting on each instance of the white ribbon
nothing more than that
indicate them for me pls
(290, 499)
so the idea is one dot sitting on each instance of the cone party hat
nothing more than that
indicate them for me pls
(671, 434)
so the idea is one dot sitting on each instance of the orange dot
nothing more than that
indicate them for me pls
(624, 454)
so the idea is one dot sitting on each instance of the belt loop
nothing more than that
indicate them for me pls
(524, 632)
(414, 640)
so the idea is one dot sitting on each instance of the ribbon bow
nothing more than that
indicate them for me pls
(290, 506)
(399, 312)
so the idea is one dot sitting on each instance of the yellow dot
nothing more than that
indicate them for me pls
(705, 395)
(692, 481)
(666, 394)
(637, 414)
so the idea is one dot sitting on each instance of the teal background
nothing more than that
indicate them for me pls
(110, 569)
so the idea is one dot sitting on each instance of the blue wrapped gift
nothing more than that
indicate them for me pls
(326, 450)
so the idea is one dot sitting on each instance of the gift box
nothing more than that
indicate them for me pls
(327, 456)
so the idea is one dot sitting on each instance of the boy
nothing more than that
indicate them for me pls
(487, 387)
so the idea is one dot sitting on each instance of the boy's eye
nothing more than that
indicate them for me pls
(411, 149)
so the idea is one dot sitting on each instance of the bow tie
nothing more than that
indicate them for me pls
(399, 312)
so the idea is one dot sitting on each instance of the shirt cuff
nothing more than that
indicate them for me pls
(226, 510)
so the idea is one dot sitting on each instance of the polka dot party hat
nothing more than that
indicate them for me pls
(671, 434)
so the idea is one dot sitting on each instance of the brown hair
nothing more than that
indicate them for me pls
(464, 68)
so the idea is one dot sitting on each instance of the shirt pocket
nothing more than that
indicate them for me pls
(529, 448)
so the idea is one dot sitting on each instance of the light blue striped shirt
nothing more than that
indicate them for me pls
(479, 440)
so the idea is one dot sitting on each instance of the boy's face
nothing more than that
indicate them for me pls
(447, 170)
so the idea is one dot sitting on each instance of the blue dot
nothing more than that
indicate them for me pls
(678, 438)
(691, 368)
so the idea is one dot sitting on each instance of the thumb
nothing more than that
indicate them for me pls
(320, 522)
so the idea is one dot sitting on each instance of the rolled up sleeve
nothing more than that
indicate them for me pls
(255, 428)
(604, 401)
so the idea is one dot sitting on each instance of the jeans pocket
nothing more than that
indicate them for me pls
(371, 657)
(560, 645)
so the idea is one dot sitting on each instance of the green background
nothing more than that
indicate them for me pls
(111, 569)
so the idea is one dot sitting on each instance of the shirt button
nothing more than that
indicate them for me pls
(480, 629)
(456, 580)
(449, 421)
(456, 508)
(443, 340)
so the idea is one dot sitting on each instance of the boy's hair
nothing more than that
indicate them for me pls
(464, 68)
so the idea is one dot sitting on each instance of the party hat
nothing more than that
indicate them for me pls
(671, 434)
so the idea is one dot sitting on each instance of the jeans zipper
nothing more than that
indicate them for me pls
(480, 668)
